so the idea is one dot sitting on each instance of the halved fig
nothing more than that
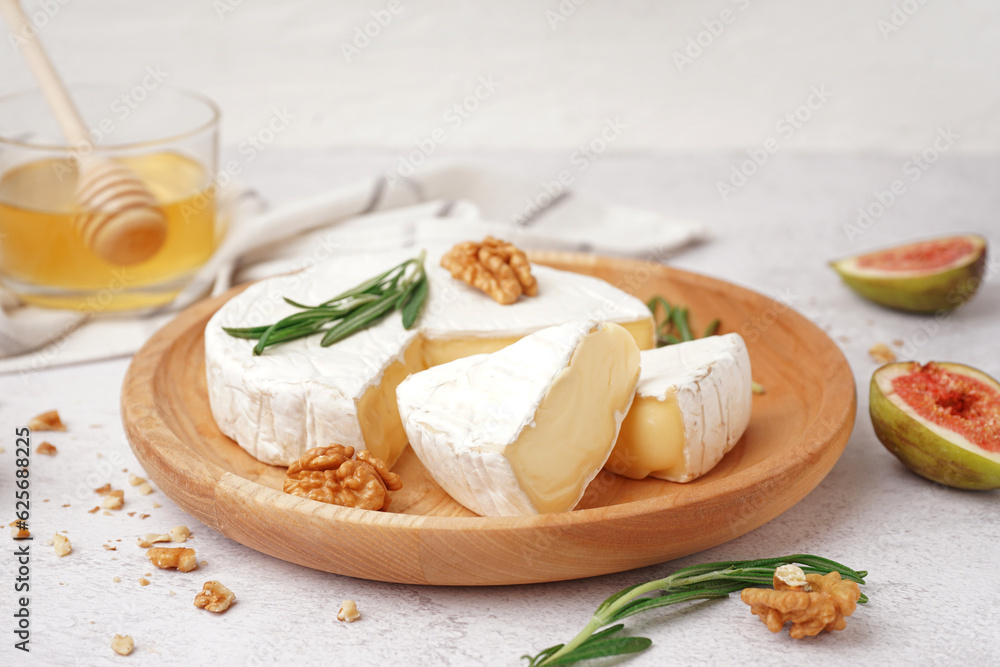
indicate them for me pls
(923, 277)
(942, 420)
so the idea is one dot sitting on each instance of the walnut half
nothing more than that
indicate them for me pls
(496, 267)
(332, 475)
(821, 603)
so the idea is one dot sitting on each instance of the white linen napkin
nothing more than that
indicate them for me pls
(438, 205)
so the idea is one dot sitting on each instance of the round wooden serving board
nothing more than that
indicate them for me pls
(797, 431)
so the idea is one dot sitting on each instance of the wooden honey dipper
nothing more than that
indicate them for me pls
(120, 220)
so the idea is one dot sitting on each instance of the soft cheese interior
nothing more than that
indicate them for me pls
(525, 429)
(692, 405)
(298, 395)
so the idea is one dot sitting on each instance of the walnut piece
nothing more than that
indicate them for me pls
(179, 534)
(144, 489)
(122, 645)
(113, 500)
(880, 353)
(61, 545)
(135, 480)
(822, 603)
(176, 534)
(18, 533)
(143, 581)
(180, 558)
(46, 448)
(149, 539)
(214, 597)
(47, 421)
(348, 612)
(790, 577)
(493, 266)
(332, 475)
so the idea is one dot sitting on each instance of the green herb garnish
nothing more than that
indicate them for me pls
(674, 326)
(695, 582)
(402, 287)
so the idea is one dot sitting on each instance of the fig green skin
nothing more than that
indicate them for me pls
(928, 293)
(925, 452)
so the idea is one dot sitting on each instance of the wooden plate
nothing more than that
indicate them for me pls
(797, 431)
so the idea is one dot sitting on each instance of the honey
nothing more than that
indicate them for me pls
(46, 262)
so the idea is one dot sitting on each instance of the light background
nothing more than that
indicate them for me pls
(563, 68)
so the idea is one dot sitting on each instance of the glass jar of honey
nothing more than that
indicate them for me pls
(165, 137)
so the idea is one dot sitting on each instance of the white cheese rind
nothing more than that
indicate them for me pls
(461, 417)
(710, 378)
(298, 395)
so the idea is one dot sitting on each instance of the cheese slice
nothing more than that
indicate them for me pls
(692, 405)
(525, 429)
(299, 395)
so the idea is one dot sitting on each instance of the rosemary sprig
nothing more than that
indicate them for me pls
(695, 582)
(403, 286)
(674, 326)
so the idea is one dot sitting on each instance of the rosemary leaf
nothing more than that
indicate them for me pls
(694, 582)
(360, 319)
(602, 649)
(413, 303)
(404, 286)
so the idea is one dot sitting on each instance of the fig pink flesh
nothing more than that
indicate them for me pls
(957, 402)
(924, 256)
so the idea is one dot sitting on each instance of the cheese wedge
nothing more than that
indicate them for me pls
(525, 429)
(299, 395)
(692, 405)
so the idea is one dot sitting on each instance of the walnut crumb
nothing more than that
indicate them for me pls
(181, 558)
(113, 500)
(143, 516)
(62, 545)
(179, 534)
(117, 580)
(157, 506)
(143, 581)
(46, 448)
(106, 513)
(348, 612)
(214, 597)
(18, 533)
(122, 645)
(881, 353)
(66, 505)
(135, 480)
(108, 547)
(95, 509)
(47, 421)
(152, 538)
(101, 490)
(144, 489)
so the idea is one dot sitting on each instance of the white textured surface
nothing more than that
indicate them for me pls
(556, 72)
(931, 551)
